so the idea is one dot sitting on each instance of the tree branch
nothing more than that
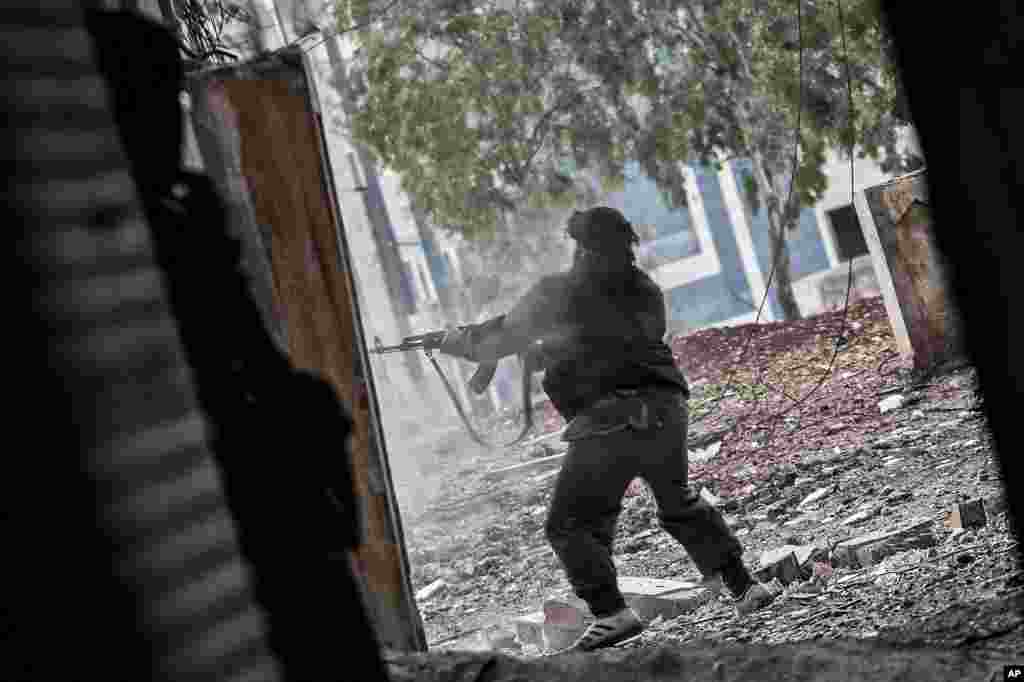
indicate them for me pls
(440, 65)
(543, 122)
(368, 22)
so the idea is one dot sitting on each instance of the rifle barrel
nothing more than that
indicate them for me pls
(392, 349)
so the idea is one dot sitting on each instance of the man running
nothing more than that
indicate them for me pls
(597, 331)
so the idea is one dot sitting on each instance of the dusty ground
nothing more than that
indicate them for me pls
(783, 434)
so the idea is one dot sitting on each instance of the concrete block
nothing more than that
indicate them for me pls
(668, 605)
(786, 570)
(867, 550)
(651, 597)
(789, 563)
(967, 515)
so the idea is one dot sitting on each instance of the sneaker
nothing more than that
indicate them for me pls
(609, 631)
(756, 597)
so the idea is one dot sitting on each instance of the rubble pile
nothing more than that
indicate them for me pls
(872, 504)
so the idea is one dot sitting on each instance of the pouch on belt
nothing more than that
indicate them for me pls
(616, 412)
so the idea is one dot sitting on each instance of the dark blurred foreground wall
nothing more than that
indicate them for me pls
(961, 70)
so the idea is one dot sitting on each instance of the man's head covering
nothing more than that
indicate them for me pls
(603, 230)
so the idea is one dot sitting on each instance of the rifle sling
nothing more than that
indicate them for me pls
(527, 406)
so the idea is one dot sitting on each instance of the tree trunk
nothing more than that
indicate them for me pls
(780, 216)
(779, 224)
(783, 273)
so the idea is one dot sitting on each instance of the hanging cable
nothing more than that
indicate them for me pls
(786, 210)
(849, 275)
(849, 278)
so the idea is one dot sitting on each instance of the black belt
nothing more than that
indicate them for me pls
(620, 410)
(667, 392)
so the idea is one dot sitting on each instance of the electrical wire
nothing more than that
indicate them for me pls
(849, 278)
(786, 210)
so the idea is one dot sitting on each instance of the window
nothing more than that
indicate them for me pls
(846, 230)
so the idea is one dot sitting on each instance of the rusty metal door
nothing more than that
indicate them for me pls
(260, 134)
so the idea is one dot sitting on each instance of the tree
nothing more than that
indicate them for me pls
(484, 107)
(205, 28)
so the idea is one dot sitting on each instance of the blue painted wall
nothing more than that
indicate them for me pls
(642, 204)
(727, 294)
(436, 262)
(807, 252)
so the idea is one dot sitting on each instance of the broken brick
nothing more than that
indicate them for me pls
(822, 571)
(867, 550)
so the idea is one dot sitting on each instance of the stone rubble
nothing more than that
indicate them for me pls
(850, 522)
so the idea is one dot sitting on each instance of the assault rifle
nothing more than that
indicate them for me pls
(478, 383)
(430, 342)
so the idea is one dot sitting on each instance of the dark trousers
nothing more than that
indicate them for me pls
(588, 499)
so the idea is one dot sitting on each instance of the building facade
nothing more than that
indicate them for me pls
(713, 258)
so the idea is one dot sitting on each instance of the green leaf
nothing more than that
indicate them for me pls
(506, 69)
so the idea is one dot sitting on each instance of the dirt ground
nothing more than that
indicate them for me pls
(771, 423)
